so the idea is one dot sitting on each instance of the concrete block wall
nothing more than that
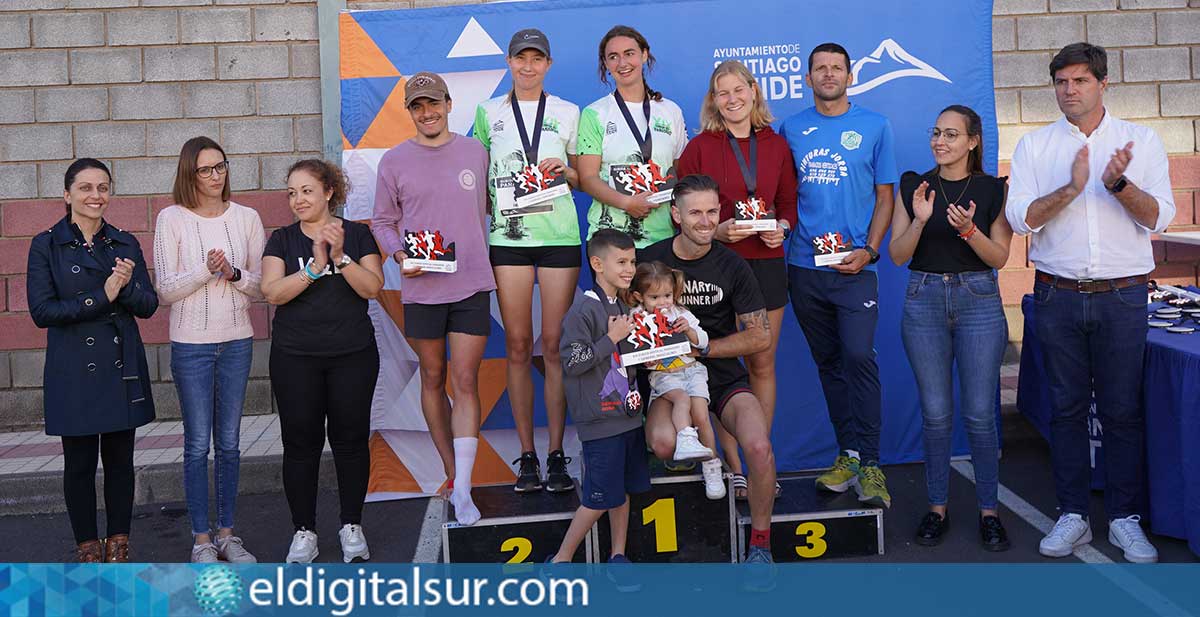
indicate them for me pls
(128, 81)
(1154, 79)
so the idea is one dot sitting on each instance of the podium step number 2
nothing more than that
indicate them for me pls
(515, 528)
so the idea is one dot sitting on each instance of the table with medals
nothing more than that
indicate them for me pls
(1171, 393)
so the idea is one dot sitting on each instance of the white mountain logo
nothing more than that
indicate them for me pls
(910, 66)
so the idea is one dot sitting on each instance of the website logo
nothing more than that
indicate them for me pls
(218, 591)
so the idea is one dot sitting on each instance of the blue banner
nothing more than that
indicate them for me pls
(910, 60)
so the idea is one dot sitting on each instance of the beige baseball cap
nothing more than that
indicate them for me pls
(425, 85)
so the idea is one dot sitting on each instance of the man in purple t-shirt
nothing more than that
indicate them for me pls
(431, 217)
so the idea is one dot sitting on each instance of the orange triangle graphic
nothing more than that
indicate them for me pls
(392, 124)
(360, 56)
(493, 381)
(489, 467)
(346, 143)
(388, 474)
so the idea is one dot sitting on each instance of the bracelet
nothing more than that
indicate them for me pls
(970, 232)
(308, 273)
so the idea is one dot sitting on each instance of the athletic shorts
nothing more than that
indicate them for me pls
(772, 276)
(692, 379)
(537, 256)
(726, 377)
(613, 467)
(471, 315)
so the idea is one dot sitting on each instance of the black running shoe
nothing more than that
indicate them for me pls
(529, 475)
(557, 478)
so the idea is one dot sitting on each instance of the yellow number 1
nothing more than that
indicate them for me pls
(662, 514)
(522, 546)
(814, 545)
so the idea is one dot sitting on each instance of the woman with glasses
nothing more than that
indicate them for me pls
(86, 283)
(530, 134)
(953, 228)
(207, 262)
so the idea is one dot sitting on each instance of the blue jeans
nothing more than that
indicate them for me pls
(211, 380)
(838, 313)
(956, 320)
(1095, 342)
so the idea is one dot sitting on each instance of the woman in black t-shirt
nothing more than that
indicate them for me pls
(320, 272)
(953, 228)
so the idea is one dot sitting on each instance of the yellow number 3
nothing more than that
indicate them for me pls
(814, 544)
(522, 546)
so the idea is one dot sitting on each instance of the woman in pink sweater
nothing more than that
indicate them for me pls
(208, 263)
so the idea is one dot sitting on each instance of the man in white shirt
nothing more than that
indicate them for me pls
(1091, 188)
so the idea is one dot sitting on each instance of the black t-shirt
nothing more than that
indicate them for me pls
(940, 250)
(328, 318)
(719, 286)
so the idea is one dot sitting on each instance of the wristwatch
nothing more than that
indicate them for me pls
(872, 252)
(703, 351)
(1117, 186)
(237, 276)
(344, 261)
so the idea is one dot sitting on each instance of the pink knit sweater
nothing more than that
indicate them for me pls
(204, 307)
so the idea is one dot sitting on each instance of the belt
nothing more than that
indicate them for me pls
(1091, 286)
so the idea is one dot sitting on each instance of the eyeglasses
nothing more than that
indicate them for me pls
(207, 172)
(949, 134)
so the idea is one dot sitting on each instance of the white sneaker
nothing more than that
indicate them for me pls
(1069, 532)
(354, 543)
(204, 553)
(688, 446)
(303, 548)
(1127, 535)
(714, 482)
(230, 549)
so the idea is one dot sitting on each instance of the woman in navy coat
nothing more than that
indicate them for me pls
(87, 281)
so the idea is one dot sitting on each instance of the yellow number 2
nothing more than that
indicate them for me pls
(522, 546)
(814, 545)
(662, 514)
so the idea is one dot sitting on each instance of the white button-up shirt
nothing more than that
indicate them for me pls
(1094, 237)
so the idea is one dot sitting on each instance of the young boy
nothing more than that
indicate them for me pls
(603, 399)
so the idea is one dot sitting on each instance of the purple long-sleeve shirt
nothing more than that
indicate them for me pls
(437, 189)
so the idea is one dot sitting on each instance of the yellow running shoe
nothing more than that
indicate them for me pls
(872, 487)
(841, 476)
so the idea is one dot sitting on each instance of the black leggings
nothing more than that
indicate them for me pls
(318, 395)
(79, 482)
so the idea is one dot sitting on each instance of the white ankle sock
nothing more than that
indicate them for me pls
(465, 511)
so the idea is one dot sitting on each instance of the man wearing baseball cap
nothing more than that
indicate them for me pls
(431, 206)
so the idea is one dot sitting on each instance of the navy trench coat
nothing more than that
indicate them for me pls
(96, 378)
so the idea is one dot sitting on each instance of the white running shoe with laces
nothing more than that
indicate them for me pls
(1070, 531)
(303, 548)
(1127, 535)
(354, 543)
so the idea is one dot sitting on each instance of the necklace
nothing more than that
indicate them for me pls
(960, 195)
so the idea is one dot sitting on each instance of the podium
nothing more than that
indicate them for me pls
(515, 528)
(807, 524)
(675, 522)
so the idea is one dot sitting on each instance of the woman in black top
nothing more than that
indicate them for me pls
(86, 283)
(320, 272)
(953, 228)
